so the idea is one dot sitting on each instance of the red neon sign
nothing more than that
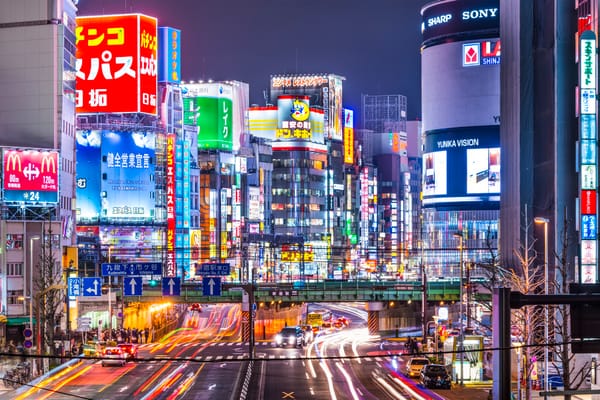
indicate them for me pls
(30, 170)
(116, 64)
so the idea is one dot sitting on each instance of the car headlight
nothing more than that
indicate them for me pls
(278, 339)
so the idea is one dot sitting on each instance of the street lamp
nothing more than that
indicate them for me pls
(544, 221)
(461, 336)
(31, 240)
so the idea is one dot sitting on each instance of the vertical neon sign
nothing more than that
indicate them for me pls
(171, 264)
(588, 159)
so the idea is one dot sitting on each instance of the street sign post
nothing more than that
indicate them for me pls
(75, 287)
(119, 269)
(92, 287)
(132, 286)
(211, 286)
(214, 269)
(171, 286)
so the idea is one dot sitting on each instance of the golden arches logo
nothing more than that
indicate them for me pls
(48, 163)
(13, 158)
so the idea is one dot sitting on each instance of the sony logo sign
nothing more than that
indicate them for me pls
(480, 13)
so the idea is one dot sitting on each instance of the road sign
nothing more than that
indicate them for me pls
(171, 286)
(132, 286)
(214, 269)
(211, 286)
(119, 269)
(75, 287)
(92, 286)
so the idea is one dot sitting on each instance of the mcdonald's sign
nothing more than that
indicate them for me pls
(30, 176)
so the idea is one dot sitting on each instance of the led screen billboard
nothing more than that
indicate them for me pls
(449, 18)
(449, 87)
(128, 163)
(116, 66)
(88, 183)
(30, 176)
(462, 166)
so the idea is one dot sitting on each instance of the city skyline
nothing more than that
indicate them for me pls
(269, 38)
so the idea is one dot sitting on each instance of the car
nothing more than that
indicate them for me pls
(415, 365)
(309, 334)
(130, 350)
(293, 335)
(196, 307)
(435, 376)
(113, 356)
(344, 321)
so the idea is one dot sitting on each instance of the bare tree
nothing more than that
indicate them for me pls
(527, 277)
(49, 290)
(573, 375)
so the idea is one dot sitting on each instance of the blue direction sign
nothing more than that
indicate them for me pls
(92, 286)
(132, 286)
(214, 269)
(120, 269)
(171, 286)
(211, 286)
(75, 287)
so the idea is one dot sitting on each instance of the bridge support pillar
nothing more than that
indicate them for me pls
(373, 309)
(246, 326)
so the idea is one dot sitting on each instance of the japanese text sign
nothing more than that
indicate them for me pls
(30, 175)
(116, 64)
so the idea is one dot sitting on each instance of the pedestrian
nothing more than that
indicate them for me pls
(81, 348)
(146, 334)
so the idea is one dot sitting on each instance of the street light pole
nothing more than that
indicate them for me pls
(461, 336)
(544, 221)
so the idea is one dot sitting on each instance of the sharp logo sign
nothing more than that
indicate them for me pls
(481, 53)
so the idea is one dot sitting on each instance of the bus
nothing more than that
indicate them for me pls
(318, 317)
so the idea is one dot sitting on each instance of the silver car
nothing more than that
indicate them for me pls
(113, 356)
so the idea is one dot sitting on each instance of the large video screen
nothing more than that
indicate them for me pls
(88, 186)
(128, 185)
(462, 166)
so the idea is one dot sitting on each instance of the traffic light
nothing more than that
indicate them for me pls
(153, 282)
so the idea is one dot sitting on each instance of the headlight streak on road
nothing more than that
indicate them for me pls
(166, 382)
(406, 387)
(60, 383)
(391, 390)
(186, 384)
(329, 377)
(153, 378)
(348, 381)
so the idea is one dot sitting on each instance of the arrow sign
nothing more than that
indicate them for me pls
(171, 286)
(132, 286)
(91, 287)
(211, 286)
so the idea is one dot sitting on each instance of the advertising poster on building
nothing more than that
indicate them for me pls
(87, 179)
(169, 55)
(116, 67)
(128, 176)
(30, 176)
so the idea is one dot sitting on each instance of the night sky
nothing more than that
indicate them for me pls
(374, 44)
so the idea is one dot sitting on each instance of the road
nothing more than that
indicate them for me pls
(205, 360)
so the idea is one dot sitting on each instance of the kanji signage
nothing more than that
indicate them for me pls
(116, 67)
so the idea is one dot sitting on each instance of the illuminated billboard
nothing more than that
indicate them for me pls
(116, 66)
(30, 176)
(169, 55)
(323, 90)
(87, 179)
(264, 122)
(462, 166)
(450, 18)
(348, 136)
(128, 184)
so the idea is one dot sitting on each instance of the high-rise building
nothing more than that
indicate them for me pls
(460, 72)
(539, 128)
(37, 104)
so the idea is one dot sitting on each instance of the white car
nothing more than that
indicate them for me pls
(113, 356)
(415, 365)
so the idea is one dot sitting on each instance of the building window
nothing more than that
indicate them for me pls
(14, 269)
(14, 242)
(15, 297)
